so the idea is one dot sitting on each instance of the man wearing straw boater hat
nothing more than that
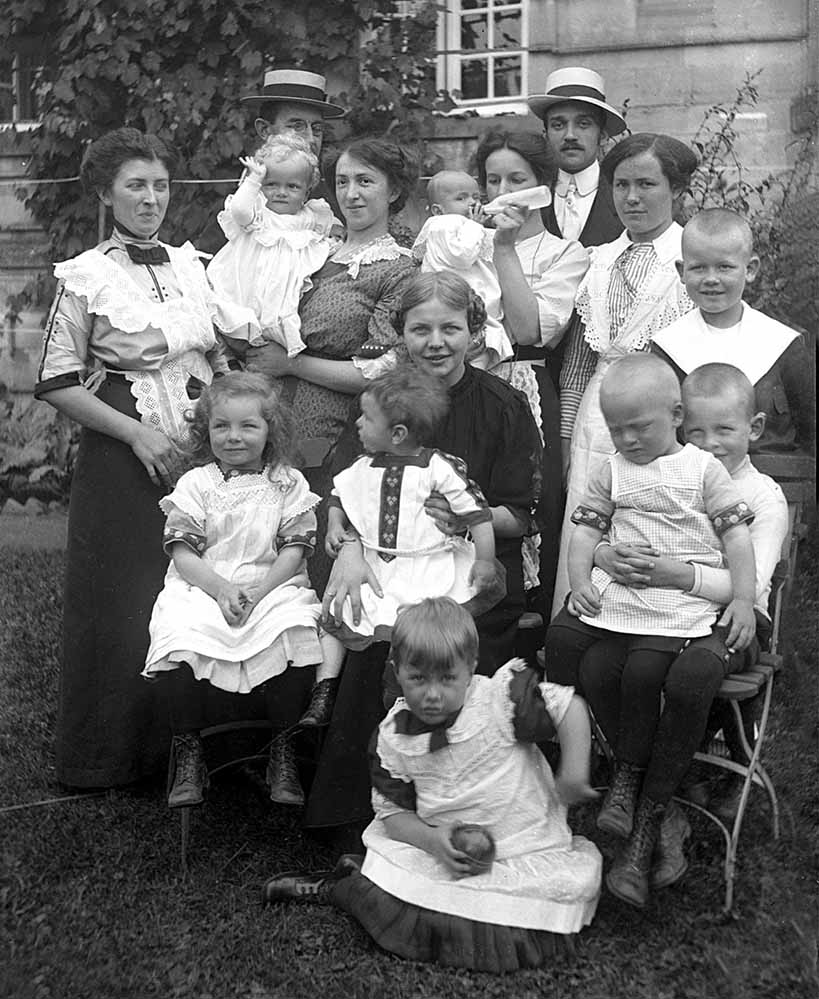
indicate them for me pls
(577, 120)
(293, 100)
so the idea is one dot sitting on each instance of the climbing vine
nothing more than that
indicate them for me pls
(173, 67)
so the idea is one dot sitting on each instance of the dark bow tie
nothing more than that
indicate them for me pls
(147, 254)
(406, 723)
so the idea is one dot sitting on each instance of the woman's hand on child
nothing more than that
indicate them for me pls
(349, 573)
(740, 620)
(235, 603)
(629, 565)
(254, 167)
(584, 599)
(455, 861)
(437, 507)
(270, 359)
(335, 538)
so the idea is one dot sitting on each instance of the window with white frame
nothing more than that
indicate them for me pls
(21, 70)
(483, 51)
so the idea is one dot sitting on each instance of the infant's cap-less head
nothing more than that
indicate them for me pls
(447, 186)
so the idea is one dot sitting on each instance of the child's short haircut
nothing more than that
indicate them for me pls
(436, 633)
(437, 181)
(711, 380)
(407, 395)
(642, 368)
(285, 146)
(720, 222)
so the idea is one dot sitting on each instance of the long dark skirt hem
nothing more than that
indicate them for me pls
(112, 728)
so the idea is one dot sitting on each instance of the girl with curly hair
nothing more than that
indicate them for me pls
(236, 609)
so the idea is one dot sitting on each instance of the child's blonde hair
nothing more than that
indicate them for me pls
(280, 447)
(407, 396)
(718, 222)
(285, 146)
(436, 633)
(717, 379)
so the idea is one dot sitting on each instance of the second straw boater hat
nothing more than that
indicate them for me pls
(295, 86)
(575, 83)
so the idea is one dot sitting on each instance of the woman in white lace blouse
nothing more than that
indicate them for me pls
(130, 331)
(630, 291)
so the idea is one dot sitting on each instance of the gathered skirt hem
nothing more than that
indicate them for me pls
(420, 934)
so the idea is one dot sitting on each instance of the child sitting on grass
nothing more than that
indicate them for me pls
(460, 748)
(718, 260)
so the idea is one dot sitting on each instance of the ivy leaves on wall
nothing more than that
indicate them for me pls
(173, 67)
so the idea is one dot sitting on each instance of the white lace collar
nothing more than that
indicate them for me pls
(381, 248)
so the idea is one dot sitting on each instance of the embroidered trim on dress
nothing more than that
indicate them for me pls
(389, 510)
(161, 394)
(588, 517)
(196, 542)
(739, 513)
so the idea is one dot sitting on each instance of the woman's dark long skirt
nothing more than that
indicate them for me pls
(112, 727)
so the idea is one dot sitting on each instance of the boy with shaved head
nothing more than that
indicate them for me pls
(451, 240)
(718, 261)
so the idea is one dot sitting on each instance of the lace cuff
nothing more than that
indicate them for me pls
(372, 367)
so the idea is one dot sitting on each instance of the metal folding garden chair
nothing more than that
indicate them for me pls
(796, 475)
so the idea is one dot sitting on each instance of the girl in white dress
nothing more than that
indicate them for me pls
(276, 240)
(237, 609)
(381, 497)
(459, 748)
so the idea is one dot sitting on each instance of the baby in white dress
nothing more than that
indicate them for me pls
(452, 240)
(277, 238)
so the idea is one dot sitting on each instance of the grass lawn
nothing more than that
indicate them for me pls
(94, 904)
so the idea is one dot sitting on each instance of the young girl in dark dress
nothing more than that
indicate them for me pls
(490, 427)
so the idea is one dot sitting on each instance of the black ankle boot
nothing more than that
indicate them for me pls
(187, 772)
(283, 773)
(320, 709)
(617, 814)
(629, 875)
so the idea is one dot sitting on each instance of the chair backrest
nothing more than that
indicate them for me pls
(796, 475)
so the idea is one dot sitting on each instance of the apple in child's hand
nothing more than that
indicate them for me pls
(476, 842)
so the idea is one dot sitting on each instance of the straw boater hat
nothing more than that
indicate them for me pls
(295, 86)
(574, 83)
